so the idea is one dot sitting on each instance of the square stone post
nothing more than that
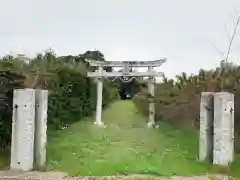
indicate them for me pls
(23, 127)
(151, 88)
(41, 108)
(206, 126)
(99, 98)
(223, 152)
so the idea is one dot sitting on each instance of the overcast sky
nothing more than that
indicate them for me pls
(183, 31)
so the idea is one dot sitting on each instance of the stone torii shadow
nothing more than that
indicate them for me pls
(100, 74)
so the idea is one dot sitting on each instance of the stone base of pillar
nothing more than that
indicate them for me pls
(100, 124)
(150, 124)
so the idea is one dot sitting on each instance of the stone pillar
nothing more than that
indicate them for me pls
(223, 128)
(40, 128)
(206, 126)
(99, 98)
(151, 88)
(23, 126)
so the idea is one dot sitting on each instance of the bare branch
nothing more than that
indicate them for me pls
(232, 38)
(219, 51)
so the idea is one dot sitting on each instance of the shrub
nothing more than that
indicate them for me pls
(71, 99)
(72, 95)
(179, 101)
(9, 81)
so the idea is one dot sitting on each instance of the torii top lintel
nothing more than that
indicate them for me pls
(130, 63)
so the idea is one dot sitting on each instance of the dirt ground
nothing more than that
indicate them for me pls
(63, 176)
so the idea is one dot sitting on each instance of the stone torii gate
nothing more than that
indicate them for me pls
(126, 66)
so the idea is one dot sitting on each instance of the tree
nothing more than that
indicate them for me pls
(94, 55)
(97, 56)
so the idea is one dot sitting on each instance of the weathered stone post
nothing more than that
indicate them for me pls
(23, 127)
(29, 129)
(223, 149)
(40, 128)
(206, 126)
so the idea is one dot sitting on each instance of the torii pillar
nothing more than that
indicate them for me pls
(151, 87)
(98, 120)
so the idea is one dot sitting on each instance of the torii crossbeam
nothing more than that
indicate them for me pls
(126, 65)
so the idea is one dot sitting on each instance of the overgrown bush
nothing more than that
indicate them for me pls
(179, 101)
(8, 82)
(72, 95)
(69, 100)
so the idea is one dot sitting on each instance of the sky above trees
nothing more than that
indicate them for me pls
(182, 31)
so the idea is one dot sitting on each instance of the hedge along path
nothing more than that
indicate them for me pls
(125, 146)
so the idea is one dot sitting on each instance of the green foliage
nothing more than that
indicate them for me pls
(178, 101)
(9, 81)
(72, 95)
(68, 101)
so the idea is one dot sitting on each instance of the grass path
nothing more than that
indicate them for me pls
(124, 146)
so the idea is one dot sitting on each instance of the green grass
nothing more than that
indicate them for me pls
(125, 146)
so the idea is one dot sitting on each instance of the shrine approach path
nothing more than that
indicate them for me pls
(125, 146)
